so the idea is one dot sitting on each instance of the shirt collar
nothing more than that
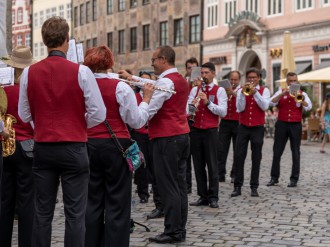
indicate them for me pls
(169, 71)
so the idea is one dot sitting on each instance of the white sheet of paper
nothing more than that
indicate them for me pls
(7, 76)
(224, 83)
(195, 74)
(80, 52)
(72, 51)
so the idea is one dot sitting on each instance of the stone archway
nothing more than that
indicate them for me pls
(248, 60)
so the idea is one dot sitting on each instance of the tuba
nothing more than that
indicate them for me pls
(248, 89)
(9, 145)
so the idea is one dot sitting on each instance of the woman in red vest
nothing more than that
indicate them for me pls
(109, 192)
(17, 180)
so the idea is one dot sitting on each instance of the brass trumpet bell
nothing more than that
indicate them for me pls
(247, 90)
(299, 97)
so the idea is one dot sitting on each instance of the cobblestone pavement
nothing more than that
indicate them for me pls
(281, 216)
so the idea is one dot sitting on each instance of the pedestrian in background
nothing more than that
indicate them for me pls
(325, 122)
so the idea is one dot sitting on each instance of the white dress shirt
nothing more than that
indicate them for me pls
(261, 100)
(95, 108)
(132, 114)
(219, 109)
(307, 100)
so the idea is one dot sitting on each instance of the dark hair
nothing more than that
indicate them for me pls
(54, 31)
(209, 65)
(191, 60)
(235, 71)
(168, 53)
(98, 58)
(290, 74)
(328, 96)
(144, 72)
(253, 70)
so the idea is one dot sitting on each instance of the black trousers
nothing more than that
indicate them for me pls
(283, 132)
(17, 191)
(170, 155)
(68, 162)
(189, 167)
(1, 167)
(227, 134)
(108, 211)
(254, 135)
(204, 145)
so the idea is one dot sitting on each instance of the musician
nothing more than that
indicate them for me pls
(168, 130)
(228, 127)
(190, 63)
(251, 109)
(17, 180)
(63, 100)
(109, 192)
(204, 135)
(288, 126)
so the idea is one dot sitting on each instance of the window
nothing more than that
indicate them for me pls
(163, 33)
(121, 35)
(88, 43)
(19, 39)
(144, 2)
(212, 13)
(42, 49)
(13, 17)
(146, 37)
(35, 20)
(230, 10)
(94, 10)
(178, 32)
(195, 29)
(61, 11)
(274, 7)
(109, 38)
(81, 14)
(304, 4)
(251, 5)
(35, 50)
(276, 74)
(47, 14)
(27, 39)
(121, 5)
(75, 16)
(133, 39)
(54, 11)
(68, 11)
(19, 15)
(88, 12)
(133, 3)
(41, 16)
(109, 6)
(326, 2)
(94, 42)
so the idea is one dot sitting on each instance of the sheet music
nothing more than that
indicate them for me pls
(7, 76)
(294, 87)
(72, 51)
(80, 52)
(224, 83)
(195, 73)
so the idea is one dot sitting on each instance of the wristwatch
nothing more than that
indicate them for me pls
(208, 103)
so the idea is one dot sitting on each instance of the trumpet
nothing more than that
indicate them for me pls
(248, 89)
(298, 96)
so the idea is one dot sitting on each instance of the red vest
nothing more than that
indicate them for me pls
(204, 118)
(23, 131)
(252, 115)
(108, 92)
(142, 130)
(288, 110)
(171, 119)
(232, 114)
(56, 101)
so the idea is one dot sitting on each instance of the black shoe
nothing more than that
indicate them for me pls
(156, 213)
(200, 202)
(188, 190)
(292, 184)
(236, 192)
(272, 182)
(222, 179)
(254, 192)
(164, 239)
(143, 199)
(214, 204)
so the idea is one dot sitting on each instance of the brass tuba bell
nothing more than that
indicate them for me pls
(9, 145)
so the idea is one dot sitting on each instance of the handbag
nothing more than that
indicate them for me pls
(27, 148)
(132, 154)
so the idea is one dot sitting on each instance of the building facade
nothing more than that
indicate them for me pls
(42, 10)
(134, 28)
(239, 34)
(21, 29)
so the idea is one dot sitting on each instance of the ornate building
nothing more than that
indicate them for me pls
(21, 30)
